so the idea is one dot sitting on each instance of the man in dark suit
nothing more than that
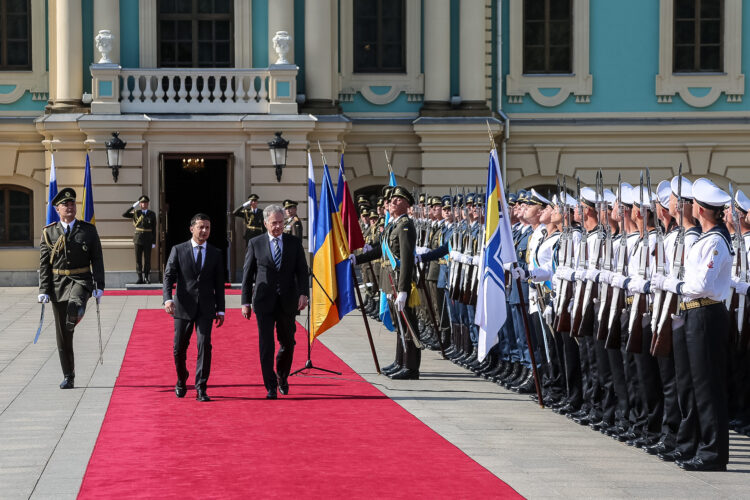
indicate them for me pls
(198, 270)
(144, 237)
(275, 284)
(71, 269)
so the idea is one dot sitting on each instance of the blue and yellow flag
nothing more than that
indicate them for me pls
(333, 284)
(88, 195)
(497, 247)
(384, 314)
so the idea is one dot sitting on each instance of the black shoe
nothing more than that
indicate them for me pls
(389, 367)
(139, 281)
(67, 382)
(697, 464)
(271, 394)
(599, 426)
(655, 449)
(147, 279)
(201, 395)
(283, 386)
(670, 456)
(566, 409)
(180, 389)
(405, 374)
(525, 386)
(391, 371)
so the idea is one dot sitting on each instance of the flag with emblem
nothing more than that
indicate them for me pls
(345, 204)
(332, 285)
(52, 215)
(497, 248)
(88, 195)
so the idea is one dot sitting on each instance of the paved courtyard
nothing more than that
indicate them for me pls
(47, 435)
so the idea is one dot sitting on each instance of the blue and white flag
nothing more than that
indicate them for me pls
(52, 215)
(497, 248)
(312, 204)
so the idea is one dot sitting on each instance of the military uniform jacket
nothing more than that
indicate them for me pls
(145, 226)
(434, 241)
(401, 236)
(293, 226)
(253, 221)
(65, 261)
(522, 245)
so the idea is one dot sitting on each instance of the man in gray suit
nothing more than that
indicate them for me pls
(198, 270)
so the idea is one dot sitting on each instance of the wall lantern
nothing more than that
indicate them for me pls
(278, 147)
(115, 146)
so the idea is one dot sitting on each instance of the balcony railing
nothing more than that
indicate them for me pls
(269, 90)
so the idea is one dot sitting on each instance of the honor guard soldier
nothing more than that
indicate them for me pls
(144, 237)
(253, 217)
(71, 269)
(292, 224)
(399, 242)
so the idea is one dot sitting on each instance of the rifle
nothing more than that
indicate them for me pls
(475, 272)
(635, 322)
(401, 316)
(576, 314)
(457, 267)
(659, 262)
(605, 291)
(736, 302)
(562, 315)
(617, 302)
(591, 287)
(663, 344)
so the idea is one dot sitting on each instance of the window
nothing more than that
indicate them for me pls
(547, 36)
(195, 34)
(15, 35)
(698, 36)
(15, 216)
(379, 36)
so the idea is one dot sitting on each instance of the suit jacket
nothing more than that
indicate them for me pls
(80, 252)
(262, 283)
(198, 293)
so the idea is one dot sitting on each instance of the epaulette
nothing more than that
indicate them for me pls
(50, 224)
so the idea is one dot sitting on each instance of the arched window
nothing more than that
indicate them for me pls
(16, 216)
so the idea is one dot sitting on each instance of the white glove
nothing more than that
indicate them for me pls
(353, 259)
(475, 260)
(565, 273)
(367, 247)
(671, 284)
(605, 276)
(637, 285)
(535, 275)
(454, 255)
(153, 245)
(677, 321)
(401, 300)
(247, 203)
(417, 259)
(547, 315)
(467, 259)
(97, 294)
(518, 273)
(742, 287)
(507, 266)
(43, 298)
(658, 281)
(618, 280)
(592, 275)
(135, 205)
(421, 250)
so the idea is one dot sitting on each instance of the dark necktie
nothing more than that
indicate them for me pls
(67, 231)
(199, 259)
(276, 253)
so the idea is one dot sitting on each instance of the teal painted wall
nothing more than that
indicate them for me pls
(129, 36)
(399, 105)
(87, 17)
(624, 61)
(299, 43)
(260, 33)
(25, 103)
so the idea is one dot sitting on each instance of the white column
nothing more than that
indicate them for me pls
(472, 48)
(437, 49)
(69, 62)
(280, 18)
(320, 52)
(107, 17)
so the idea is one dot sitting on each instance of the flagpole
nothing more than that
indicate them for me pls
(367, 323)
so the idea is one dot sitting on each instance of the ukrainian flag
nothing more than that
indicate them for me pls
(384, 314)
(333, 284)
(88, 195)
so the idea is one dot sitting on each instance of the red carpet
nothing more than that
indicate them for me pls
(115, 293)
(333, 437)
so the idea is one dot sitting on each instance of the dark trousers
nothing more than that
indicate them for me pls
(619, 384)
(706, 331)
(671, 421)
(285, 326)
(650, 385)
(142, 255)
(572, 370)
(411, 357)
(183, 330)
(64, 336)
(607, 399)
(589, 380)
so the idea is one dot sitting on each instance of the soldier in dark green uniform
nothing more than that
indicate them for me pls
(253, 217)
(71, 269)
(292, 224)
(400, 238)
(144, 238)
